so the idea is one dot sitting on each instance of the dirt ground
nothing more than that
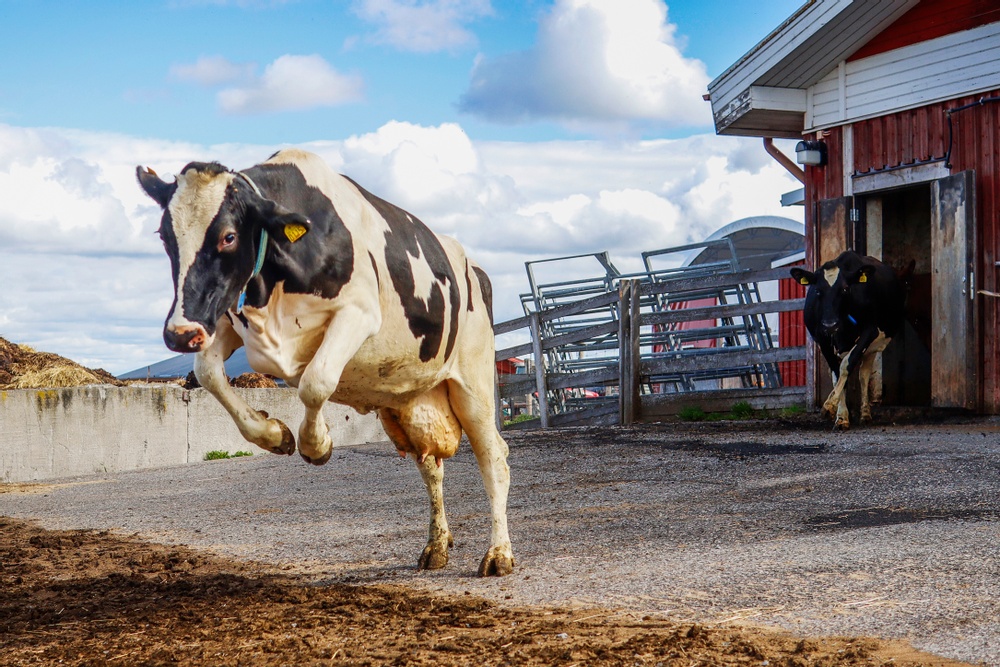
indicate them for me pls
(93, 598)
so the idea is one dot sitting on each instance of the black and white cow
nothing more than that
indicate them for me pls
(349, 299)
(853, 308)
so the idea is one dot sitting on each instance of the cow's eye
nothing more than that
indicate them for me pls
(227, 241)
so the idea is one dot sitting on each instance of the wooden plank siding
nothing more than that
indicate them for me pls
(909, 77)
(919, 135)
(792, 332)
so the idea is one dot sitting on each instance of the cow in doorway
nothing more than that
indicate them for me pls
(347, 298)
(853, 308)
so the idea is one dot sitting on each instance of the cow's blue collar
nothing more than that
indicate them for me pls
(261, 249)
(850, 318)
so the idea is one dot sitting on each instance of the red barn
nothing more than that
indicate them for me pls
(897, 106)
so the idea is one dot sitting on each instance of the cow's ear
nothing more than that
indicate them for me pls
(280, 222)
(154, 186)
(865, 273)
(802, 276)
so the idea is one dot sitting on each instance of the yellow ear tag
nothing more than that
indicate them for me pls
(294, 232)
(803, 281)
(863, 278)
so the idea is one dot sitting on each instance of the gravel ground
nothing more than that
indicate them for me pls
(889, 531)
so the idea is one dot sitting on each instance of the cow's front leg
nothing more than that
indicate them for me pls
(345, 334)
(836, 403)
(870, 393)
(254, 426)
(833, 360)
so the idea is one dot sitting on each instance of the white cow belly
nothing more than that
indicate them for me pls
(375, 379)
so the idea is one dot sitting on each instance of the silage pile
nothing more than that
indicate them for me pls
(23, 368)
(254, 381)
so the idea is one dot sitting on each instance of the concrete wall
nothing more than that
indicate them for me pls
(51, 433)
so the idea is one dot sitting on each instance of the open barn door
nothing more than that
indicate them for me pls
(833, 236)
(954, 367)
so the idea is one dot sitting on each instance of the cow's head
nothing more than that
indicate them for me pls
(211, 224)
(831, 293)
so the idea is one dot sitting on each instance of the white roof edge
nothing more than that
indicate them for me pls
(759, 46)
(793, 31)
(773, 221)
(789, 259)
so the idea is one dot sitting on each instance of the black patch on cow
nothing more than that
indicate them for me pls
(211, 168)
(215, 278)
(468, 287)
(319, 263)
(408, 237)
(486, 287)
(378, 281)
(848, 315)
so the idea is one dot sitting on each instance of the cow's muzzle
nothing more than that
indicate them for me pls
(830, 327)
(185, 338)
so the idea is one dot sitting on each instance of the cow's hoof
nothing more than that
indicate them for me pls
(287, 446)
(318, 461)
(497, 562)
(434, 557)
(842, 426)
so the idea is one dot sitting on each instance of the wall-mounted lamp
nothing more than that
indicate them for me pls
(811, 153)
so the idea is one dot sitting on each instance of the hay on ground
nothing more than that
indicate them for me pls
(254, 381)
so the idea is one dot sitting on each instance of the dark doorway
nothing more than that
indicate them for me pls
(905, 216)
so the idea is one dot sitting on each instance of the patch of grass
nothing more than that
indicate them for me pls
(740, 411)
(217, 454)
(793, 411)
(692, 414)
(518, 419)
(743, 410)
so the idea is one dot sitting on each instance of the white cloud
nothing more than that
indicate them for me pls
(293, 83)
(597, 66)
(423, 26)
(212, 71)
(86, 277)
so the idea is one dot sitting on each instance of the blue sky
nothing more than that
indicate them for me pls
(118, 66)
(554, 124)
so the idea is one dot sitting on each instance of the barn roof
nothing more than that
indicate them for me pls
(758, 242)
(182, 364)
(765, 92)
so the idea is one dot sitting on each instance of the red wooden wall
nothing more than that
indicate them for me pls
(792, 333)
(918, 135)
(930, 19)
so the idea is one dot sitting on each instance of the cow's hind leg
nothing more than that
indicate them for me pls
(473, 405)
(427, 428)
(439, 539)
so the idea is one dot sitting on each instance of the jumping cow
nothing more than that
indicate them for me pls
(853, 308)
(349, 299)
